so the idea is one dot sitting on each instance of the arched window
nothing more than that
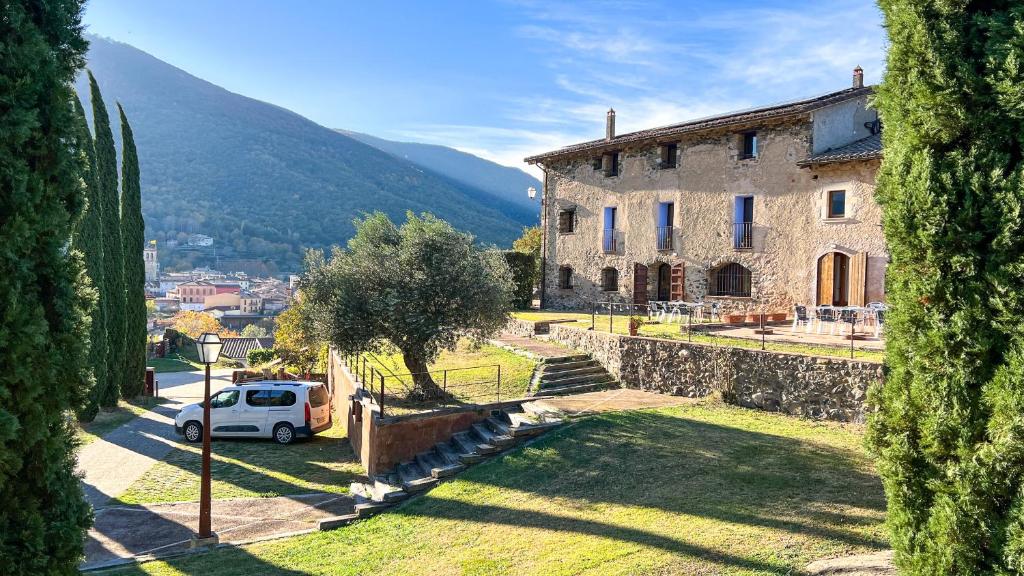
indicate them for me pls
(730, 279)
(565, 277)
(610, 280)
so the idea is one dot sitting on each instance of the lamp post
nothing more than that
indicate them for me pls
(532, 193)
(208, 345)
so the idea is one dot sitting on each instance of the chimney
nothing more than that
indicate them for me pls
(858, 77)
(609, 128)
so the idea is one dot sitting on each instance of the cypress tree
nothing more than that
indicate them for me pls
(949, 431)
(88, 239)
(133, 228)
(44, 294)
(113, 254)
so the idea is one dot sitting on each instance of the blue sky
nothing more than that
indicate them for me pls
(505, 78)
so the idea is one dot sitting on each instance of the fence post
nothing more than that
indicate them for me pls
(363, 372)
(593, 316)
(444, 387)
(381, 394)
(499, 382)
(611, 329)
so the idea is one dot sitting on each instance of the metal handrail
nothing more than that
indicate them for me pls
(609, 241)
(664, 237)
(384, 390)
(743, 235)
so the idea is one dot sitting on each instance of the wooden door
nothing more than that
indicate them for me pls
(639, 284)
(678, 284)
(858, 278)
(826, 274)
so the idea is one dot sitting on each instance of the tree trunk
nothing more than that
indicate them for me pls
(424, 387)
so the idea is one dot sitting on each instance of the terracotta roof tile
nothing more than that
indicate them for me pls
(864, 149)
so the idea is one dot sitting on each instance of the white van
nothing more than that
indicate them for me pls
(278, 409)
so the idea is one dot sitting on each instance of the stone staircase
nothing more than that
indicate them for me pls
(503, 430)
(571, 375)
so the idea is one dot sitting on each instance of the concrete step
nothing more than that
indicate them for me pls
(538, 414)
(450, 455)
(366, 507)
(498, 425)
(438, 468)
(336, 521)
(465, 448)
(560, 366)
(545, 385)
(472, 445)
(563, 359)
(414, 478)
(580, 388)
(487, 436)
(559, 374)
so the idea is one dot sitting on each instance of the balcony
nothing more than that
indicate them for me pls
(610, 241)
(743, 235)
(664, 238)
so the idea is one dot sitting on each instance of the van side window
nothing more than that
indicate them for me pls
(282, 398)
(257, 398)
(224, 399)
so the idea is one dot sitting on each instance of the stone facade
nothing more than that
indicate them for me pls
(815, 387)
(790, 230)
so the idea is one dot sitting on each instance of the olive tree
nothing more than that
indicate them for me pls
(418, 286)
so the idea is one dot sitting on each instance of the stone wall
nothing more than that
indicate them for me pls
(525, 328)
(816, 387)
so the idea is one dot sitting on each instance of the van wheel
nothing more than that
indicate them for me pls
(284, 433)
(193, 431)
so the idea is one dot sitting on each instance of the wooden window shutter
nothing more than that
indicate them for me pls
(826, 272)
(639, 284)
(677, 285)
(858, 278)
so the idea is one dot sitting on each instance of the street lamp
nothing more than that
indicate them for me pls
(531, 192)
(208, 346)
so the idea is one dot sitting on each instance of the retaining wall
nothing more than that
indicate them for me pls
(382, 442)
(812, 386)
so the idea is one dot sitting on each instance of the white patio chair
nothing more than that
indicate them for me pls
(800, 317)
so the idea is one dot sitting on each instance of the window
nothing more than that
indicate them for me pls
(743, 222)
(608, 236)
(318, 396)
(837, 204)
(749, 145)
(668, 155)
(610, 280)
(567, 221)
(611, 164)
(596, 162)
(257, 398)
(282, 398)
(224, 399)
(666, 215)
(565, 278)
(730, 279)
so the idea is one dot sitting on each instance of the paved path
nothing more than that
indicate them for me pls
(109, 465)
(122, 532)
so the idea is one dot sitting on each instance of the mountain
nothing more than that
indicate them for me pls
(501, 181)
(264, 182)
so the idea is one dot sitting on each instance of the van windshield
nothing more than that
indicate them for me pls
(317, 396)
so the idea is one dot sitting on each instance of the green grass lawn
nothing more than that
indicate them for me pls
(251, 468)
(108, 420)
(472, 376)
(173, 363)
(706, 489)
(673, 331)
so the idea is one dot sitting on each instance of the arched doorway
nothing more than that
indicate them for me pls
(834, 279)
(664, 282)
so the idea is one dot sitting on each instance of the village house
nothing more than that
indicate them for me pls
(192, 295)
(758, 210)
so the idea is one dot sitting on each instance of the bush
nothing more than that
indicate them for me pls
(524, 276)
(261, 356)
(949, 431)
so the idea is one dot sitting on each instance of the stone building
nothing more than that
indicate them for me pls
(758, 209)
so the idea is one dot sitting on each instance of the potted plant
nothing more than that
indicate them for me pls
(635, 322)
(778, 316)
(734, 318)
